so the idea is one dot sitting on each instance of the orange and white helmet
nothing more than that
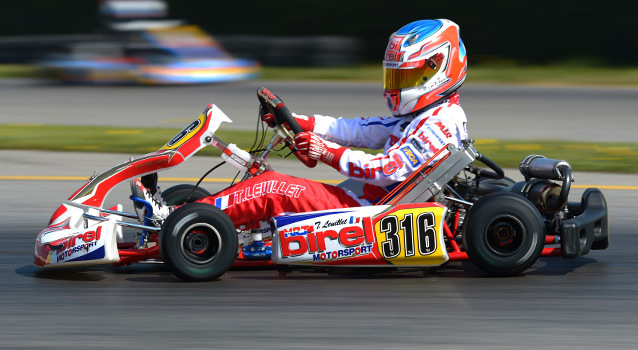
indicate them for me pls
(424, 62)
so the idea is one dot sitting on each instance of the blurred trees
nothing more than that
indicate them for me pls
(499, 31)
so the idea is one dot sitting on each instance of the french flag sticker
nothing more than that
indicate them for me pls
(221, 202)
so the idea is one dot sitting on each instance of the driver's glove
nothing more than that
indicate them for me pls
(305, 123)
(313, 146)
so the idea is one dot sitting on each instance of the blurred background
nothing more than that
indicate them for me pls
(195, 41)
(288, 33)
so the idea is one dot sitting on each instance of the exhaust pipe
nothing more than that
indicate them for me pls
(537, 166)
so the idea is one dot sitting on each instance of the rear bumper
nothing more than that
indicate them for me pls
(588, 230)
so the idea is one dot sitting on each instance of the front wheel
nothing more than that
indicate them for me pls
(180, 194)
(504, 234)
(198, 242)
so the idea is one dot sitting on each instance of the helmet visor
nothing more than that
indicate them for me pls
(415, 74)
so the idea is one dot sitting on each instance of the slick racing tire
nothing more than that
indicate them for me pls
(487, 186)
(503, 234)
(177, 195)
(198, 242)
(600, 245)
(504, 182)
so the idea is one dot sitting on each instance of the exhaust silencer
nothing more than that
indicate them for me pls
(540, 167)
(537, 166)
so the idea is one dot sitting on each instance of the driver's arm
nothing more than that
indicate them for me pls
(381, 169)
(418, 142)
(370, 132)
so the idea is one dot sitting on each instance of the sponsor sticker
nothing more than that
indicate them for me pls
(417, 145)
(78, 245)
(260, 189)
(325, 237)
(409, 153)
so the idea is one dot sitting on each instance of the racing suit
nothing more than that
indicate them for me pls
(407, 142)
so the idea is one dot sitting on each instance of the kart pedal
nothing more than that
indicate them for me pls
(147, 206)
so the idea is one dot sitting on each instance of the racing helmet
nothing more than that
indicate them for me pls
(424, 62)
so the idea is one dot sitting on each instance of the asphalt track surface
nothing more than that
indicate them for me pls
(589, 302)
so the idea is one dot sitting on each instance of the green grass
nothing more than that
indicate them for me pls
(133, 141)
(18, 71)
(583, 156)
(607, 157)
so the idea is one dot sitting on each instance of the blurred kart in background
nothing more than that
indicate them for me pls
(141, 46)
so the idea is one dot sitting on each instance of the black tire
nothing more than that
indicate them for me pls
(177, 195)
(198, 242)
(487, 186)
(503, 234)
(601, 244)
(504, 182)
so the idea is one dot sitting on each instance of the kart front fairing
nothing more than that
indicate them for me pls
(82, 232)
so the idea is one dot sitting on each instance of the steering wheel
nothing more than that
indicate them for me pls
(283, 116)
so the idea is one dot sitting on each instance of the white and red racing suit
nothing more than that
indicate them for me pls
(407, 142)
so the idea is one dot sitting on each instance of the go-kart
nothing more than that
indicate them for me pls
(457, 206)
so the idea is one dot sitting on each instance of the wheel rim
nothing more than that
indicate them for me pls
(200, 243)
(504, 236)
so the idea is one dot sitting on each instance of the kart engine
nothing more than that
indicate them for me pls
(549, 197)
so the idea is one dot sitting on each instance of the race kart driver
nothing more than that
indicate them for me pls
(424, 65)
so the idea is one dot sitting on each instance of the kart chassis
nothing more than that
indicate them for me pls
(556, 227)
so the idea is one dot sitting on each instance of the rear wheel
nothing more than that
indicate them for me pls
(504, 234)
(198, 242)
(487, 186)
(601, 244)
(504, 182)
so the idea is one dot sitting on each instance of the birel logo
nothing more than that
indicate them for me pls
(304, 239)
(394, 46)
(426, 140)
(151, 162)
(367, 172)
(72, 246)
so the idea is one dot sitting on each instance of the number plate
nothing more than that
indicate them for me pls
(411, 235)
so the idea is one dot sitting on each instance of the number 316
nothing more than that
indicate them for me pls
(425, 233)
